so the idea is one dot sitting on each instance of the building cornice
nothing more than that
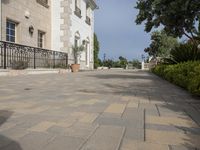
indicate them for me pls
(92, 4)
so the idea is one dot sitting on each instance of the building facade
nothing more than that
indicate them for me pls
(50, 24)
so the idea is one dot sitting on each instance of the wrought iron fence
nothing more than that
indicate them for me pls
(12, 54)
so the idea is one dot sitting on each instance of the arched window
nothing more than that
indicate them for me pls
(77, 8)
(77, 39)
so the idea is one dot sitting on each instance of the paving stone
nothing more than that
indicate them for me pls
(63, 143)
(80, 130)
(136, 145)
(109, 121)
(133, 118)
(12, 146)
(180, 147)
(111, 115)
(7, 126)
(42, 127)
(56, 130)
(133, 133)
(106, 138)
(152, 112)
(116, 108)
(173, 121)
(173, 138)
(165, 128)
(66, 123)
(194, 115)
(34, 141)
(4, 141)
(14, 133)
(132, 104)
(88, 118)
(73, 116)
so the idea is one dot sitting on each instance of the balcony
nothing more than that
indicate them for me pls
(77, 12)
(15, 55)
(88, 20)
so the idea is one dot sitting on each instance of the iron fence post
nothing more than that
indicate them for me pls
(66, 60)
(34, 63)
(54, 60)
(4, 56)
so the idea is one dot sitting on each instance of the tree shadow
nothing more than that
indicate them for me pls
(5, 142)
(164, 95)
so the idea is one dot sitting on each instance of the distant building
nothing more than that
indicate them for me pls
(50, 24)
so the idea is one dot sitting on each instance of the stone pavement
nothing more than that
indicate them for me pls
(100, 110)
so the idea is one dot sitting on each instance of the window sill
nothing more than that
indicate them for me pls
(42, 3)
(77, 14)
(88, 22)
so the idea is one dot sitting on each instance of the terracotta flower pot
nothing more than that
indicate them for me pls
(75, 67)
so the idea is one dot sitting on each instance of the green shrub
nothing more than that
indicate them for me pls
(184, 52)
(186, 75)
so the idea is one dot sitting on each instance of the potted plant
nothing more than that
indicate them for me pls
(77, 53)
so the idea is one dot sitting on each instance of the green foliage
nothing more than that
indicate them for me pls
(108, 63)
(77, 52)
(161, 44)
(19, 64)
(97, 61)
(183, 53)
(123, 62)
(178, 17)
(186, 75)
(136, 64)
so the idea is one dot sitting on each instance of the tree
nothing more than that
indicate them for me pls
(136, 63)
(77, 52)
(123, 62)
(178, 17)
(96, 52)
(161, 44)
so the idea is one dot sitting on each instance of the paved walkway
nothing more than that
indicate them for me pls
(103, 110)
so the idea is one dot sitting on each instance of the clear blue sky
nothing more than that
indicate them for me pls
(117, 32)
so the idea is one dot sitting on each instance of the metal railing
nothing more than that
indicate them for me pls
(12, 54)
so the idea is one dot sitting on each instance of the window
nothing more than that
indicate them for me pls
(88, 12)
(77, 11)
(43, 3)
(10, 31)
(41, 39)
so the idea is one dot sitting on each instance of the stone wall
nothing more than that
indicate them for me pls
(27, 13)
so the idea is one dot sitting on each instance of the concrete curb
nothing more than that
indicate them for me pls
(33, 72)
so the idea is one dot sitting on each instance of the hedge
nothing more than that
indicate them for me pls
(186, 75)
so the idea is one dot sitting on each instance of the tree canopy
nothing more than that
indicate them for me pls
(161, 44)
(96, 52)
(178, 17)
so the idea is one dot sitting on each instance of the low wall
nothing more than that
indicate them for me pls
(33, 71)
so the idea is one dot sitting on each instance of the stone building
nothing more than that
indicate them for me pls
(50, 24)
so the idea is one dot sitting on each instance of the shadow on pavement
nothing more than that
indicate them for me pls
(166, 96)
(5, 142)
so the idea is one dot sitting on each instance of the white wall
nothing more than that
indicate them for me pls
(85, 30)
(56, 21)
(0, 21)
